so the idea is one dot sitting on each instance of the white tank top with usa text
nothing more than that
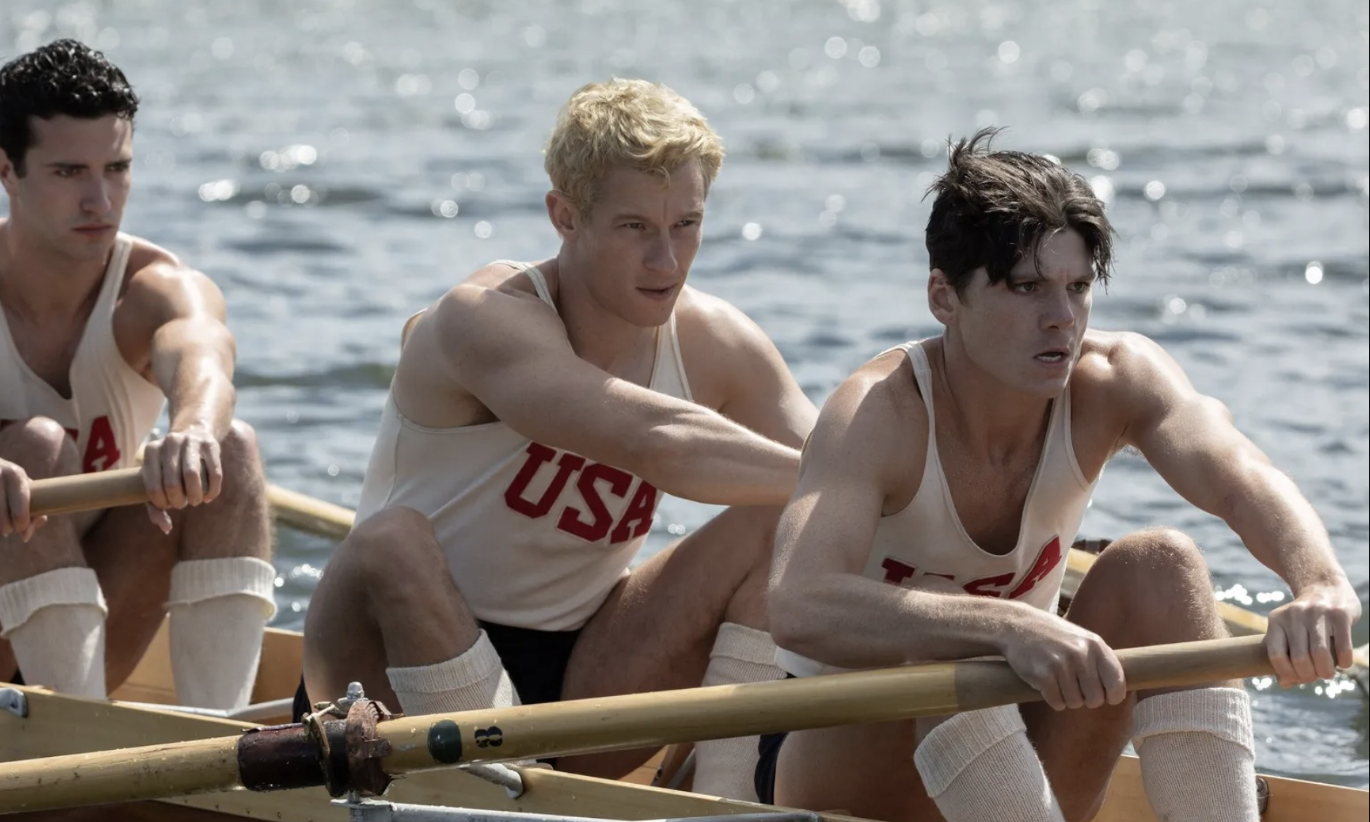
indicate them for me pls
(925, 544)
(535, 536)
(112, 408)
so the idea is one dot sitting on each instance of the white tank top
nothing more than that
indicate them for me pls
(925, 545)
(535, 536)
(112, 408)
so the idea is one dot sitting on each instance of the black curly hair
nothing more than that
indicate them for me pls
(994, 207)
(64, 77)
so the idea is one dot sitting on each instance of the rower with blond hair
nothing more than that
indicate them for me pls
(538, 413)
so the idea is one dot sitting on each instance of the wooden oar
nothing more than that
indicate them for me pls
(308, 514)
(287, 757)
(334, 521)
(1240, 621)
(83, 492)
(124, 486)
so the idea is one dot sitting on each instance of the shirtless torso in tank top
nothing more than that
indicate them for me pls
(955, 467)
(97, 330)
(560, 399)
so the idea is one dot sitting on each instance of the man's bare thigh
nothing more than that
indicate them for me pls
(657, 626)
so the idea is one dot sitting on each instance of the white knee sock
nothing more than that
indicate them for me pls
(726, 767)
(470, 682)
(219, 609)
(1198, 758)
(55, 622)
(980, 766)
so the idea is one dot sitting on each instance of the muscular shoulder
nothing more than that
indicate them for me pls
(488, 303)
(159, 287)
(1123, 382)
(707, 323)
(1118, 367)
(876, 420)
(725, 352)
(481, 319)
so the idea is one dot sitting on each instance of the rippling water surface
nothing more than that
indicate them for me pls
(336, 165)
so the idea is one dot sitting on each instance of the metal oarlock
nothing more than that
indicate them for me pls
(350, 751)
(375, 810)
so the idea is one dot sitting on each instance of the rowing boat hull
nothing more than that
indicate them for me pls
(63, 725)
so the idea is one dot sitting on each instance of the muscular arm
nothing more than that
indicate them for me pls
(170, 327)
(192, 360)
(1190, 440)
(863, 460)
(512, 354)
(863, 448)
(759, 390)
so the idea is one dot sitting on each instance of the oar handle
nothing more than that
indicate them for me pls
(87, 492)
(84, 492)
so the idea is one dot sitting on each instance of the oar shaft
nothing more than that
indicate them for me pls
(282, 757)
(83, 492)
(117, 776)
(309, 514)
(655, 719)
(1239, 621)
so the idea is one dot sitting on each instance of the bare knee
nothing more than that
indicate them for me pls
(241, 459)
(391, 552)
(387, 558)
(41, 446)
(1150, 586)
(1156, 558)
(240, 441)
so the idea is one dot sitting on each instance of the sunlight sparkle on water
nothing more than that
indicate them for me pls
(1103, 188)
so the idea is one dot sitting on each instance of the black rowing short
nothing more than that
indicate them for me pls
(768, 757)
(536, 662)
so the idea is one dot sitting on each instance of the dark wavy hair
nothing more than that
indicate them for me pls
(64, 77)
(994, 207)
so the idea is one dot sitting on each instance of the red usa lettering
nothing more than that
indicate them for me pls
(592, 480)
(1047, 560)
(900, 573)
(102, 447)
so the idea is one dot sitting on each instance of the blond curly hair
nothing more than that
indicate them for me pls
(645, 125)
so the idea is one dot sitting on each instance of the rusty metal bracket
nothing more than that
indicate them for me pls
(349, 749)
(365, 748)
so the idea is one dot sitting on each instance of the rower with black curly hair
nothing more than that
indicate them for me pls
(98, 330)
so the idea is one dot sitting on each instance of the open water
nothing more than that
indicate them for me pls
(337, 164)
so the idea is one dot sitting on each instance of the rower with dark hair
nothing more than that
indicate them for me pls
(99, 329)
(939, 492)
